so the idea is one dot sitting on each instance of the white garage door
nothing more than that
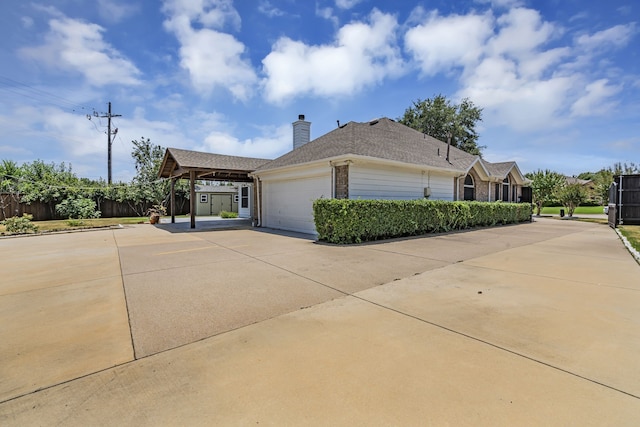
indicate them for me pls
(288, 205)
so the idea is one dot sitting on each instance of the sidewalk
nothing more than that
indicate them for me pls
(534, 324)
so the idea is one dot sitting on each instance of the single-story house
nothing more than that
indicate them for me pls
(379, 159)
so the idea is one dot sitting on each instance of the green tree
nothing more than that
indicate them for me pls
(9, 186)
(602, 181)
(571, 196)
(624, 168)
(441, 118)
(544, 186)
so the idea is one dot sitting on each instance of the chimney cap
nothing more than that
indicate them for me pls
(300, 116)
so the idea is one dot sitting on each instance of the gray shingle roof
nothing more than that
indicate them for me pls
(499, 169)
(382, 139)
(208, 165)
(197, 159)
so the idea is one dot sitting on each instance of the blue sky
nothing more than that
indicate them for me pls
(559, 80)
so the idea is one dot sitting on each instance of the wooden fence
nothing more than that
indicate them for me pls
(10, 206)
(624, 200)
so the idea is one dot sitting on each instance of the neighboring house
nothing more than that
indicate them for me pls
(380, 159)
(588, 185)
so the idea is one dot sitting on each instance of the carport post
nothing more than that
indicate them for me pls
(173, 200)
(192, 197)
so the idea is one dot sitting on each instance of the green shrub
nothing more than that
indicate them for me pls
(75, 223)
(20, 224)
(225, 214)
(77, 208)
(354, 221)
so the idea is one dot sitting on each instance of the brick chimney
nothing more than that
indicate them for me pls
(301, 132)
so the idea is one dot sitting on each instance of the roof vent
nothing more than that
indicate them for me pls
(373, 122)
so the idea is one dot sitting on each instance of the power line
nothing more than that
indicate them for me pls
(29, 91)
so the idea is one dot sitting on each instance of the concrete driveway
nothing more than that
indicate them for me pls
(518, 325)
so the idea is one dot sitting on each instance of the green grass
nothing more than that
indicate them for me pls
(65, 224)
(632, 233)
(555, 210)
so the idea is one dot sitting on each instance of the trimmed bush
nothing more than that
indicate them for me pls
(355, 221)
(226, 214)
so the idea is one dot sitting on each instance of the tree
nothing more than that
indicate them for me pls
(571, 195)
(544, 186)
(624, 168)
(440, 118)
(602, 181)
(146, 188)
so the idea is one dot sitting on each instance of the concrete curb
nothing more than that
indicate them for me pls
(634, 253)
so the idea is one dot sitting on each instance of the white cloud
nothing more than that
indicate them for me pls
(442, 43)
(596, 99)
(265, 7)
(512, 66)
(273, 142)
(212, 58)
(347, 4)
(27, 22)
(113, 11)
(363, 54)
(77, 46)
(614, 37)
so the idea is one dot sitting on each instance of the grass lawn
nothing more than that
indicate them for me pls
(65, 224)
(632, 233)
(555, 210)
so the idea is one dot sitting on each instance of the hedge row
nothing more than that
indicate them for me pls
(355, 221)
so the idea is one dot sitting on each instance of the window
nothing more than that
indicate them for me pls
(469, 188)
(497, 195)
(204, 198)
(505, 190)
(245, 197)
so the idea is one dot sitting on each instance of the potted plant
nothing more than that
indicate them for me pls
(155, 212)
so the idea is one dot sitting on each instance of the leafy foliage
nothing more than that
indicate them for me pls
(544, 186)
(439, 118)
(226, 214)
(571, 195)
(20, 224)
(355, 221)
(77, 208)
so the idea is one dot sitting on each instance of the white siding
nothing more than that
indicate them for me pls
(288, 204)
(378, 182)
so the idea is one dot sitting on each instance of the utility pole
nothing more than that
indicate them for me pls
(109, 133)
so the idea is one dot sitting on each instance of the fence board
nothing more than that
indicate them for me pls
(10, 207)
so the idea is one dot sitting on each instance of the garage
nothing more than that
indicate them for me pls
(288, 204)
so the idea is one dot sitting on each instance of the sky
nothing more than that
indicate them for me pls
(558, 80)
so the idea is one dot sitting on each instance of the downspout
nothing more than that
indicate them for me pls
(333, 179)
(458, 187)
(258, 203)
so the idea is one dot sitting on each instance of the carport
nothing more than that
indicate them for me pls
(196, 165)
